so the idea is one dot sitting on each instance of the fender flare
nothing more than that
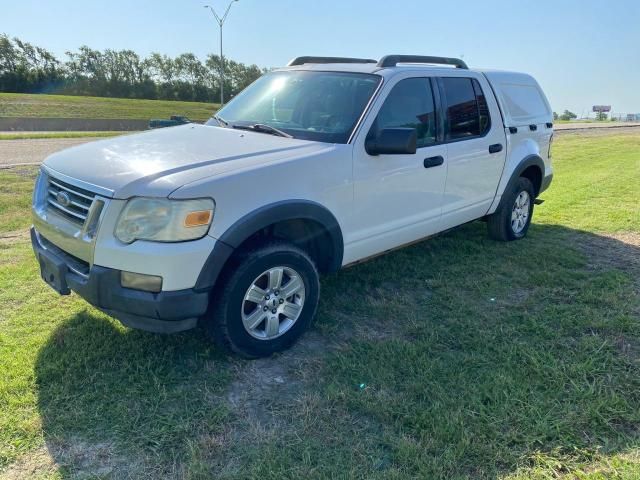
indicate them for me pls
(261, 218)
(528, 161)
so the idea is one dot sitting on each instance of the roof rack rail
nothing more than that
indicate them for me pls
(393, 60)
(303, 60)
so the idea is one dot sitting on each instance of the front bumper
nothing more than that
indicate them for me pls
(164, 312)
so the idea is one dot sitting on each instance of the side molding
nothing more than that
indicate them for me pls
(261, 218)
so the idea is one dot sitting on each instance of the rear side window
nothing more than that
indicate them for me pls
(524, 102)
(410, 105)
(467, 113)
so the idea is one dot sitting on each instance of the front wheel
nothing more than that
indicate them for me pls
(512, 219)
(266, 301)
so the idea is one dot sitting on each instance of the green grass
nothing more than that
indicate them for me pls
(596, 186)
(41, 135)
(15, 198)
(457, 357)
(66, 106)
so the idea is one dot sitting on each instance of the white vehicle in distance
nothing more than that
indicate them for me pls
(315, 166)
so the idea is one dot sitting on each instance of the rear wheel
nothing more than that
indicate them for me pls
(266, 301)
(512, 219)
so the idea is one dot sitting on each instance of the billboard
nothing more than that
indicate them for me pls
(602, 108)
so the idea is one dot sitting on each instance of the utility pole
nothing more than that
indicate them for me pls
(221, 21)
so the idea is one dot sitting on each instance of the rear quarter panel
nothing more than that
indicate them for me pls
(527, 111)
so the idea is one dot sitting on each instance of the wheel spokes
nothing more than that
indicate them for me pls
(273, 303)
(293, 286)
(273, 326)
(291, 310)
(255, 294)
(253, 320)
(520, 211)
(275, 278)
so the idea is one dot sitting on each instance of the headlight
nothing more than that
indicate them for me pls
(164, 220)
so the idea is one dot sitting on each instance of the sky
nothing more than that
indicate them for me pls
(582, 52)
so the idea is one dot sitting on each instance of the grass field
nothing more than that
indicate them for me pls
(65, 106)
(458, 357)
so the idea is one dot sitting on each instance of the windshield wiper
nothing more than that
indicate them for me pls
(221, 120)
(263, 128)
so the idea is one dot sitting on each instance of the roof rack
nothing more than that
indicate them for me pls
(303, 60)
(393, 60)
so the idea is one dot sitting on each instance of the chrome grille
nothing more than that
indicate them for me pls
(68, 200)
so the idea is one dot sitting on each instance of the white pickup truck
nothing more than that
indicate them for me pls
(313, 167)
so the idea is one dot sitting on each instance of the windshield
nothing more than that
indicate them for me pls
(321, 106)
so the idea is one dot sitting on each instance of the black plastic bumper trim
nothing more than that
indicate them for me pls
(144, 310)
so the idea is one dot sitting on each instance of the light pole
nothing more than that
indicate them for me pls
(221, 21)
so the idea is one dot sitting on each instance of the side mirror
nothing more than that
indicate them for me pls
(392, 141)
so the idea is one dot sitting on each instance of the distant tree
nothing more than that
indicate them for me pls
(24, 67)
(237, 75)
(567, 115)
(164, 72)
(555, 116)
(118, 73)
(192, 78)
(601, 116)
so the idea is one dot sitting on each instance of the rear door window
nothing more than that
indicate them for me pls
(466, 110)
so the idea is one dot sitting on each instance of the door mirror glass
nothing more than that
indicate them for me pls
(392, 141)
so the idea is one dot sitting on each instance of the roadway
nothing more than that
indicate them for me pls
(34, 151)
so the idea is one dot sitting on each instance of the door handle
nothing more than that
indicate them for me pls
(433, 161)
(533, 127)
(495, 148)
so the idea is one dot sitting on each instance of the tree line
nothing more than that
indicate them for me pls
(26, 68)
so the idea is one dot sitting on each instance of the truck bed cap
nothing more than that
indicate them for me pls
(521, 99)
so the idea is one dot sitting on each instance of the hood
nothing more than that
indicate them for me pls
(157, 162)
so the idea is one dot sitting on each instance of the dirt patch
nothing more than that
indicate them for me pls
(265, 391)
(599, 132)
(10, 238)
(622, 252)
(631, 238)
(35, 464)
(95, 460)
(376, 329)
(264, 385)
(275, 400)
(81, 459)
(617, 250)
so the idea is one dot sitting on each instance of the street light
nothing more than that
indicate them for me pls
(221, 21)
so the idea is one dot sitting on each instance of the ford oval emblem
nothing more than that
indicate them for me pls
(63, 199)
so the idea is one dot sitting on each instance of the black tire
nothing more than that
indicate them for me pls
(499, 223)
(223, 323)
